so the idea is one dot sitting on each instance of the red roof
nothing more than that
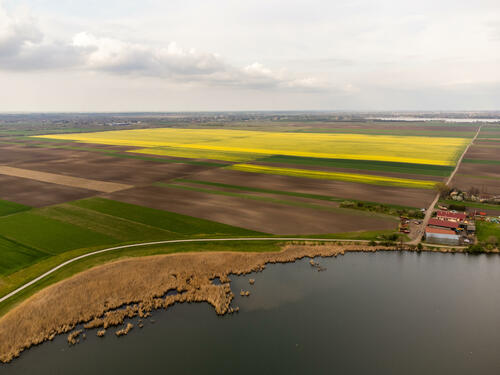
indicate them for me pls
(439, 231)
(452, 215)
(443, 223)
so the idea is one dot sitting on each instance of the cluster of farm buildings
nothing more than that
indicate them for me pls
(451, 228)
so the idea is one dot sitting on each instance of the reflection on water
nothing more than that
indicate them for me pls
(383, 313)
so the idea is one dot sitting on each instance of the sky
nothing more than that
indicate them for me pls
(218, 55)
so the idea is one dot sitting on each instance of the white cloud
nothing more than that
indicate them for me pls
(316, 54)
(23, 46)
(181, 65)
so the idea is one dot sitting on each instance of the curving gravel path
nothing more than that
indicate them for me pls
(14, 292)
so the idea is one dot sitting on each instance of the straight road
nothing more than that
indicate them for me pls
(430, 210)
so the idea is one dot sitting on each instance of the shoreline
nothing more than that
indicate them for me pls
(104, 296)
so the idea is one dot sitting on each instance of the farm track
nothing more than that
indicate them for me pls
(430, 210)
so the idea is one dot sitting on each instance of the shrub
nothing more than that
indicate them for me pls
(492, 240)
(348, 204)
(457, 207)
(475, 249)
(420, 247)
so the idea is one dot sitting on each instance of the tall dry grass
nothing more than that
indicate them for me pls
(105, 295)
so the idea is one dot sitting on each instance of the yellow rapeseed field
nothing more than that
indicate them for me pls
(339, 176)
(248, 145)
(195, 153)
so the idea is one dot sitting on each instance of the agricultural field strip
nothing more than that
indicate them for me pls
(339, 176)
(286, 193)
(9, 208)
(54, 269)
(379, 166)
(478, 176)
(181, 225)
(118, 228)
(192, 153)
(398, 132)
(481, 161)
(48, 143)
(418, 150)
(53, 230)
(275, 200)
(15, 256)
(83, 183)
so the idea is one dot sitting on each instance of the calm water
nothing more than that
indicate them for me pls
(382, 313)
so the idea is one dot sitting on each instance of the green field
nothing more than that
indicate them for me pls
(15, 256)
(8, 208)
(382, 166)
(179, 225)
(93, 223)
(487, 231)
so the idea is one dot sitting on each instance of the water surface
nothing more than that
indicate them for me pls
(383, 313)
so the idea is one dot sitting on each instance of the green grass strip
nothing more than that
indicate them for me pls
(399, 132)
(384, 166)
(471, 204)
(9, 208)
(336, 176)
(481, 161)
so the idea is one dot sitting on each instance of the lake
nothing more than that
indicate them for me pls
(367, 313)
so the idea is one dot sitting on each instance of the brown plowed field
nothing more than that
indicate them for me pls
(81, 164)
(472, 174)
(256, 215)
(484, 153)
(348, 190)
(38, 194)
(485, 170)
(485, 186)
(94, 166)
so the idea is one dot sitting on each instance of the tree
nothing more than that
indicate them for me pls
(443, 189)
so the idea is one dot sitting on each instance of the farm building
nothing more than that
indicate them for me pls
(441, 236)
(452, 216)
(443, 223)
(471, 228)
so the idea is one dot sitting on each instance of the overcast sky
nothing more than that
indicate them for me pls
(152, 55)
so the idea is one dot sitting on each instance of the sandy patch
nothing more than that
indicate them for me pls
(77, 182)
